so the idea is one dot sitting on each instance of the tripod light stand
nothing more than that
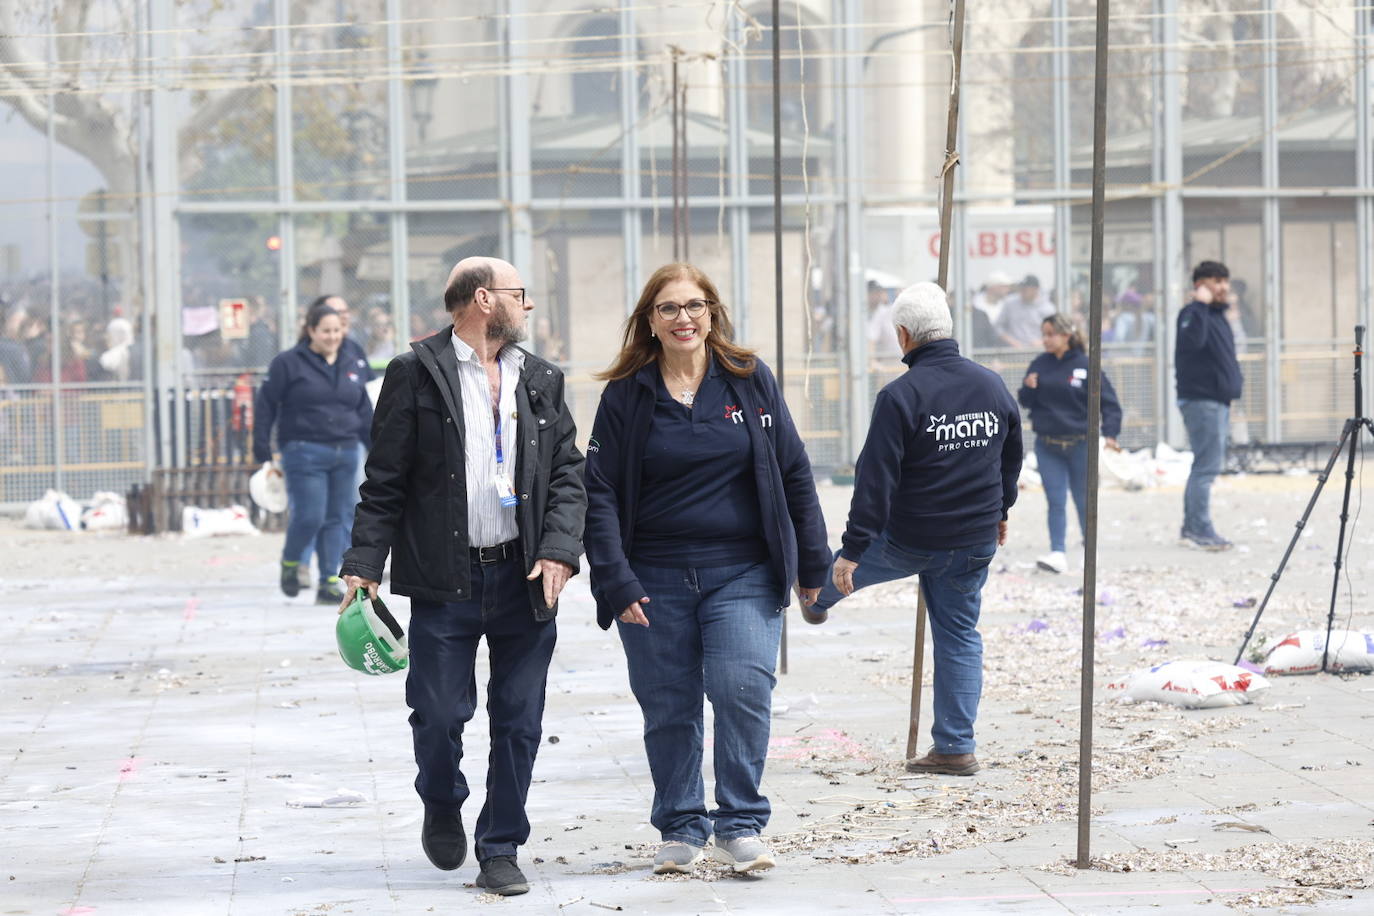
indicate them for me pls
(1350, 436)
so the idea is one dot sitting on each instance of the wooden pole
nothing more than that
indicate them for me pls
(956, 42)
(777, 243)
(1085, 701)
(677, 208)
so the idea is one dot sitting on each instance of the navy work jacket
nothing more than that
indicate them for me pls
(311, 400)
(793, 526)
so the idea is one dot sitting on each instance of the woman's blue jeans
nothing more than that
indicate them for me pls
(953, 584)
(713, 632)
(1063, 469)
(319, 483)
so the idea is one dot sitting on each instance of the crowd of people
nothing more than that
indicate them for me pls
(109, 353)
(695, 507)
(697, 512)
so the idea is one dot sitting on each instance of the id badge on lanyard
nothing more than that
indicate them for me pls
(502, 480)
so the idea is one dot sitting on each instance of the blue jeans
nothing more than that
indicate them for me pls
(319, 485)
(952, 581)
(1208, 423)
(713, 632)
(441, 690)
(1063, 469)
(358, 479)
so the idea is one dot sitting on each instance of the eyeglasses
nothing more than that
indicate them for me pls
(508, 289)
(694, 308)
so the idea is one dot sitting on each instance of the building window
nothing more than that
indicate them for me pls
(596, 47)
(794, 67)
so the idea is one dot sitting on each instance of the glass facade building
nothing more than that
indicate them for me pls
(183, 178)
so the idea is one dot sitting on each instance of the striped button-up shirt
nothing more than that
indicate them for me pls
(489, 522)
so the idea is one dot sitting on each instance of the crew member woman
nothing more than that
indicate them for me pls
(1055, 390)
(321, 411)
(702, 515)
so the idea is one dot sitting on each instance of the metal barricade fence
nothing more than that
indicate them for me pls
(79, 438)
(89, 437)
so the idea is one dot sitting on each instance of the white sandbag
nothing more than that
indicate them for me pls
(1301, 652)
(107, 512)
(1128, 470)
(203, 523)
(55, 511)
(1196, 684)
(1171, 467)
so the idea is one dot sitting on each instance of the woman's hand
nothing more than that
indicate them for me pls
(808, 596)
(635, 613)
(272, 469)
(1112, 444)
(1032, 380)
(842, 574)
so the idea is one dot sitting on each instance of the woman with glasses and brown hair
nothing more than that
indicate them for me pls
(702, 515)
(1055, 390)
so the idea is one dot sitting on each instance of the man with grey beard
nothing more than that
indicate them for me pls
(474, 486)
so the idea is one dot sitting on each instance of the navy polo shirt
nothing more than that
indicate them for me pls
(698, 500)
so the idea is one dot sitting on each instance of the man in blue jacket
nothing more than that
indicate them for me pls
(1208, 378)
(932, 489)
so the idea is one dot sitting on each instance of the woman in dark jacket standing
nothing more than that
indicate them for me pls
(321, 410)
(702, 514)
(1055, 391)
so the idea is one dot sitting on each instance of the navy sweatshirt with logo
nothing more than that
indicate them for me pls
(1205, 364)
(943, 454)
(1058, 404)
(790, 522)
(309, 399)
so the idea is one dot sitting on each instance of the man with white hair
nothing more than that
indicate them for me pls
(932, 489)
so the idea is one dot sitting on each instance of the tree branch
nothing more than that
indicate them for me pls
(16, 72)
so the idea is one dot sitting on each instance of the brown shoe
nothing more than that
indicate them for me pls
(946, 764)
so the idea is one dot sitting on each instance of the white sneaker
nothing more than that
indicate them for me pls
(1054, 562)
(744, 854)
(675, 858)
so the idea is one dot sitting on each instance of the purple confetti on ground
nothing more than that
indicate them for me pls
(1153, 643)
(1251, 666)
(1035, 626)
(1106, 598)
(1118, 633)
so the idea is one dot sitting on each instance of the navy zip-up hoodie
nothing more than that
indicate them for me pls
(940, 465)
(311, 400)
(1205, 364)
(1058, 404)
(793, 526)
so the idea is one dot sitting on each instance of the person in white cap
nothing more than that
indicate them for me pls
(988, 300)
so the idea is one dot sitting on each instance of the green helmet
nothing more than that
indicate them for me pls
(370, 640)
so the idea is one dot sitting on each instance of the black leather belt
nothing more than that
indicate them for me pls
(1062, 441)
(507, 551)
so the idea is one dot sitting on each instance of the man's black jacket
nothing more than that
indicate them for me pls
(414, 502)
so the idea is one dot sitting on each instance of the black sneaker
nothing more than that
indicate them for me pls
(290, 585)
(500, 875)
(443, 839)
(330, 592)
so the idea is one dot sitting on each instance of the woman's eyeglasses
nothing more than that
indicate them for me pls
(694, 308)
